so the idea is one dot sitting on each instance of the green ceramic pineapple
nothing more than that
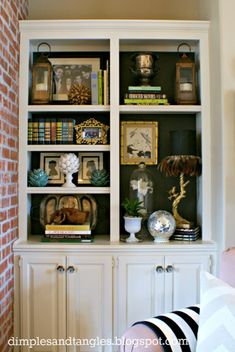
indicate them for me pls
(99, 178)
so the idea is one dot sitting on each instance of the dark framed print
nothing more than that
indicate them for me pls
(139, 142)
(88, 163)
(91, 131)
(49, 163)
(69, 71)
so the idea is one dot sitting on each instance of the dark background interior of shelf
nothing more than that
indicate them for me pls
(103, 214)
(165, 67)
(35, 164)
(162, 183)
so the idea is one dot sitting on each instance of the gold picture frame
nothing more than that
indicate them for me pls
(88, 163)
(49, 163)
(139, 142)
(91, 131)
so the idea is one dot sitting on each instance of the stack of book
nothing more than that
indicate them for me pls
(186, 234)
(100, 86)
(51, 131)
(145, 95)
(76, 232)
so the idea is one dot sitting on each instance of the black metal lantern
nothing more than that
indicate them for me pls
(42, 73)
(185, 79)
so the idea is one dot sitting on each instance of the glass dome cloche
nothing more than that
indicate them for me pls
(141, 188)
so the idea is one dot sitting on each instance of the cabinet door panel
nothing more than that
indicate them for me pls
(140, 289)
(43, 290)
(89, 300)
(182, 284)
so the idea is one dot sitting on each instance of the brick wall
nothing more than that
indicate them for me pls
(10, 12)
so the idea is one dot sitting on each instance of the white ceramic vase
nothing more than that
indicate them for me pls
(132, 225)
(69, 182)
(69, 164)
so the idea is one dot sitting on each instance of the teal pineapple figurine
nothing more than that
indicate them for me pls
(99, 178)
(37, 178)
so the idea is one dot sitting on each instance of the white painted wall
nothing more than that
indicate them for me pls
(227, 30)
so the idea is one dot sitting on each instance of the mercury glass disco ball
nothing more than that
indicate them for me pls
(161, 225)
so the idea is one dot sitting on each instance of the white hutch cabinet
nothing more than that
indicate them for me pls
(89, 290)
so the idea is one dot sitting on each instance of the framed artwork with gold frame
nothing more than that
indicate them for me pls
(88, 163)
(91, 131)
(49, 163)
(139, 142)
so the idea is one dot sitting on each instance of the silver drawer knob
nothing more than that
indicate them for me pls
(159, 269)
(169, 268)
(70, 269)
(60, 268)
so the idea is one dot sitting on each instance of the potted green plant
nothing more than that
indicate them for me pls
(132, 218)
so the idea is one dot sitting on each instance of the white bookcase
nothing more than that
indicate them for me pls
(114, 267)
(114, 38)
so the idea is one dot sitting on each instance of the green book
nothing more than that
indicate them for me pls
(145, 88)
(146, 101)
(100, 87)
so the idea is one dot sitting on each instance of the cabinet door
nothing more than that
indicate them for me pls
(89, 299)
(182, 279)
(140, 289)
(43, 304)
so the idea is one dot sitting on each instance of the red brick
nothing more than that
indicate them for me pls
(3, 266)
(3, 62)
(10, 12)
(14, 200)
(14, 178)
(14, 155)
(7, 79)
(12, 96)
(3, 215)
(6, 153)
(11, 212)
(2, 165)
(3, 89)
(6, 226)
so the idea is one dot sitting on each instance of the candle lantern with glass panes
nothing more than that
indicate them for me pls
(185, 78)
(42, 74)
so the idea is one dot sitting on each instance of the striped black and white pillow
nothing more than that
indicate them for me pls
(176, 331)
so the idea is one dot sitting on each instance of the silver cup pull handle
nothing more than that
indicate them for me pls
(169, 269)
(60, 268)
(159, 269)
(70, 269)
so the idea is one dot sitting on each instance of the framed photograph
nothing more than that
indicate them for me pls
(88, 163)
(49, 163)
(69, 71)
(91, 131)
(139, 142)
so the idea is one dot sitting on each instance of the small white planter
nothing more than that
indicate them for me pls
(132, 225)
(69, 182)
